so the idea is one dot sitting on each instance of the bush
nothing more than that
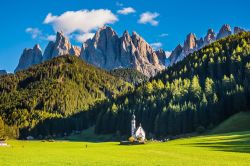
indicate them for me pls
(131, 139)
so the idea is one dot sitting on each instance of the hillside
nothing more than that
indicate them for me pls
(57, 88)
(129, 75)
(201, 91)
(237, 122)
(196, 94)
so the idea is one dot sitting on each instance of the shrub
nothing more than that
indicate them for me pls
(131, 139)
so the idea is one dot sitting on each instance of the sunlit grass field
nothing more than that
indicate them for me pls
(224, 149)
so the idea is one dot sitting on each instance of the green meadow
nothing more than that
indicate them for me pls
(223, 149)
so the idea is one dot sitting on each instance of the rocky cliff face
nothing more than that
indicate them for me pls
(109, 51)
(176, 54)
(224, 31)
(162, 57)
(238, 30)
(191, 43)
(3, 72)
(61, 46)
(30, 57)
(210, 37)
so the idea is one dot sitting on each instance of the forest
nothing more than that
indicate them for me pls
(58, 88)
(195, 94)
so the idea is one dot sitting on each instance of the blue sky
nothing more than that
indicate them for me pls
(165, 22)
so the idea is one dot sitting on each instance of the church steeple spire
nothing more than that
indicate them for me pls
(133, 125)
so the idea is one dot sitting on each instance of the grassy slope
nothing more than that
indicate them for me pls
(238, 122)
(226, 149)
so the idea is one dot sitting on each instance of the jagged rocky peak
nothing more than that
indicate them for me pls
(200, 43)
(109, 51)
(190, 44)
(105, 35)
(61, 46)
(162, 56)
(238, 30)
(210, 37)
(102, 50)
(3, 72)
(175, 55)
(126, 34)
(224, 31)
(29, 57)
(76, 51)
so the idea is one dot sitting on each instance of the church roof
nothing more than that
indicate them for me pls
(139, 128)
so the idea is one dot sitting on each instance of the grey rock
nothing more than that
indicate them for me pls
(210, 37)
(200, 43)
(162, 57)
(29, 57)
(109, 51)
(224, 31)
(190, 44)
(61, 46)
(178, 51)
(238, 30)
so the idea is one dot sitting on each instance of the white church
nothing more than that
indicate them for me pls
(138, 133)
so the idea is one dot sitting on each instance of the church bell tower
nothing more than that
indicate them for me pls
(133, 126)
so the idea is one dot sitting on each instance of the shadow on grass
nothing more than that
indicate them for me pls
(235, 143)
(89, 135)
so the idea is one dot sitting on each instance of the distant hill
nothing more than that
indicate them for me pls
(57, 88)
(130, 75)
(237, 122)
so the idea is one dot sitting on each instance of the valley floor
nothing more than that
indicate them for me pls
(224, 149)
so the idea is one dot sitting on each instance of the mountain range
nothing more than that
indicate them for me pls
(106, 50)
(192, 43)
(65, 93)
(109, 51)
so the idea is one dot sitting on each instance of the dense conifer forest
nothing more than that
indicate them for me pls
(195, 94)
(130, 75)
(58, 88)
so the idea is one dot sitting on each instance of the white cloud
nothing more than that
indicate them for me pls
(84, 37)
(168, 53)
(164, 35)
(156, 46)
(49, 18)
(149, 17)
(38, 34)
(35, 32)
(126, 11)
(51, 38)
(80, 21)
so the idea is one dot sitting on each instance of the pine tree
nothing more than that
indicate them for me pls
(1, 128)
(195, 88)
